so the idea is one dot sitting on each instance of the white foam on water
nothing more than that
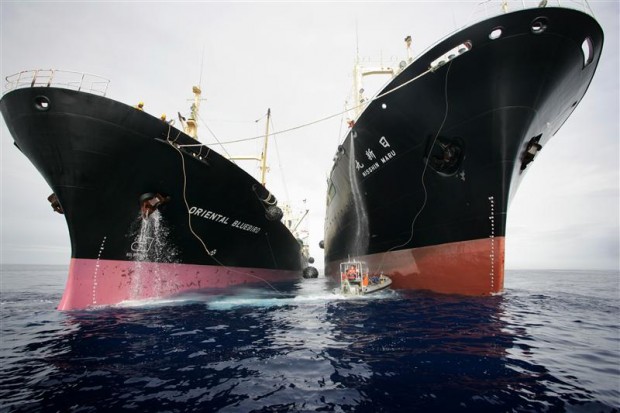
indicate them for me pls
(231, 302)
(154, 302)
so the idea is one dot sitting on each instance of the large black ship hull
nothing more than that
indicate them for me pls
(421, 185)
(100, 157)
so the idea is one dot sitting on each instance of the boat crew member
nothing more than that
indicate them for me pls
(352, 273)
(140, 106)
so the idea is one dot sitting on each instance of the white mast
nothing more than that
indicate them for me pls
(263, 156)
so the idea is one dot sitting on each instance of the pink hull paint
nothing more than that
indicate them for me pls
(94, 282)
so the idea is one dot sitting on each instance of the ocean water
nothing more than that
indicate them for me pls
(550, 343)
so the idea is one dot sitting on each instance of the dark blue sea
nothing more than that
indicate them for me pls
(550, 343)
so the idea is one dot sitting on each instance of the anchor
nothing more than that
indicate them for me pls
(150, 202)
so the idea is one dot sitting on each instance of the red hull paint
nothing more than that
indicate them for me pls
(94, 283)
(470, 267)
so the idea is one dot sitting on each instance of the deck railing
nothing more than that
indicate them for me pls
(490, 8)
(84, 82)
(487, 9)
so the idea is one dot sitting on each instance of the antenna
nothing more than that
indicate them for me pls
(357, 43)
(202, 63)
(263, 157)
(357, 80)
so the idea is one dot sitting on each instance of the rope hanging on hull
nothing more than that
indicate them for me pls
(210, 252)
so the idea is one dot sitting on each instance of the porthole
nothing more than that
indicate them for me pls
(496, 33)
(539, 25)
(41, 103)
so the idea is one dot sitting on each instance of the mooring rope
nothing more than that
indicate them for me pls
(314, 122)
(178, 147)
(211, 253)
(445, 116)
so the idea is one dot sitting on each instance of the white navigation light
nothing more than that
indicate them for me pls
(450, 55)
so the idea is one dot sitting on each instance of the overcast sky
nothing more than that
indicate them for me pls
(297, 60)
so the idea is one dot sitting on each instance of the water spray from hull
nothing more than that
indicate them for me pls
(359, 244)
